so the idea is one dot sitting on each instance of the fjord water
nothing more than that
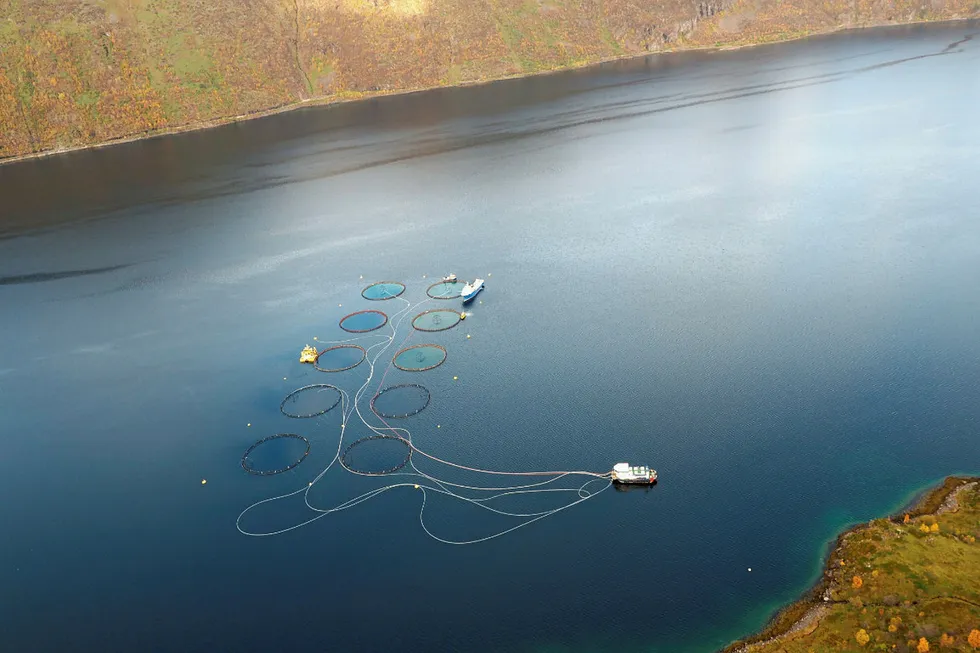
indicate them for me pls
(756, 271)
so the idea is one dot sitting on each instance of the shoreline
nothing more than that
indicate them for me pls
(357, 96)
(804, 614)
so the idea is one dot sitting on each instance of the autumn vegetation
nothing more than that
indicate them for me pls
(80, 72)
(906, 584)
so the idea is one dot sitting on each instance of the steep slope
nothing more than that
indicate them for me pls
(80, 72)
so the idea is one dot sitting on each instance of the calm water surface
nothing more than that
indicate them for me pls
(756, 271)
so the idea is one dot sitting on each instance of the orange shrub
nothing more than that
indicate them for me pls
(974, 638)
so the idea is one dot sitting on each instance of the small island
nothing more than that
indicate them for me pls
(909, 583)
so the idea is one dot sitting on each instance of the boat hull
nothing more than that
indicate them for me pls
(471, 296)
(632, 487)
(636, 481)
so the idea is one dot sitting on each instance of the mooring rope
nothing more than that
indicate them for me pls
(420, 480)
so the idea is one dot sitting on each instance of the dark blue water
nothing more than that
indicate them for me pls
(756, 271)
(362, 321)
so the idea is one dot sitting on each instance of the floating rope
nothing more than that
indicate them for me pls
(415, 478)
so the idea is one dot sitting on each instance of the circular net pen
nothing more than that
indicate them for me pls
(311, 401)
(419, 358)
(398, 401)
(340, 358)
(363, 321)
(445, 290)
(376, 455)
(383, 290)
(437, 319)
(275, 454)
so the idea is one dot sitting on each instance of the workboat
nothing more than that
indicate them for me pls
(449, 278)
(634, 475)
(471, 289)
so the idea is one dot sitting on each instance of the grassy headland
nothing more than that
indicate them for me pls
(82, 72)
(910, 583)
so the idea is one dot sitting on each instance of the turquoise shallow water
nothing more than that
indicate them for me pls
(755, 271)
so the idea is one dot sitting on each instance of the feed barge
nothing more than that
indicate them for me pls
(627, 474)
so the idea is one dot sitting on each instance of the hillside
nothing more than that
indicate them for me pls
(81, 72)
(906, 584)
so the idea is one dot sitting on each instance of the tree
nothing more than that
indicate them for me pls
(974, 638)
(945, 640)
(862, 637)
(906, 520)
(856, 582)
(934, 528)
(923, 646)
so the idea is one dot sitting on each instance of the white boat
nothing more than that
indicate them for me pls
(470, 290)
(633, 474)
(450, 278)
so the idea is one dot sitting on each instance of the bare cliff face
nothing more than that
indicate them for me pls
(80, 72)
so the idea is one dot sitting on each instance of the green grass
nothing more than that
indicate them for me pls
(87, 99)
(454, 75)
(608, 39)
(9, 34)
(191, 63)
(511, 35)
(25, 90)
(923, 584)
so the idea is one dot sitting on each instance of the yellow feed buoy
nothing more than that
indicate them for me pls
(416, 486)
(438, 426)
(455, 378)
(467, 335)
(204, 481)
(249, 424)
(308, 355)
(462, 315)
